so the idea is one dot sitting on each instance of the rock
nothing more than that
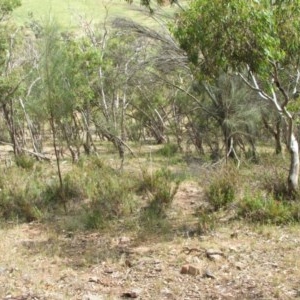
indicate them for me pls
(124, 240)
(214, 255)
(94, 279)
(189, 269)
(193, 271)
(210, 252)
(128, 263)
(167, 294)
(209, 274)
(239, 266)
(129, 295)
(184, 269)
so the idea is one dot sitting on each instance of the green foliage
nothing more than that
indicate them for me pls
(222, 190)
(268, 210)
(20, 196)
(7, 6)
(160, 190)
(111, 199)
(239, 33)
(274, 183)
(24, 161)
(207, 221)
(168, 150)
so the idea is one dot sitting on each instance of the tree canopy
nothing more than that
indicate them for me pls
(232, 34)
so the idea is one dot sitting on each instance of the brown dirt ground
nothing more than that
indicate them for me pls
(252, 262)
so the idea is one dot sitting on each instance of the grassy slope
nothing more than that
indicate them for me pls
(68, 12)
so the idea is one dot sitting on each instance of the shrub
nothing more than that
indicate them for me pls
(24, 161)
(206, 221)
(275, 183)
(222, 190)
(168, 150)
(21, 202)
(111, 197)
(261, 209)
(159, 188)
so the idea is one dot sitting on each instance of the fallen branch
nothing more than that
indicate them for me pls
(38, 155)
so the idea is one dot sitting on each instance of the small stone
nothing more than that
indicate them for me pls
(239, 266)
(167, 294)
(108, 271)
(189, 269)
(129, 295)
(124, 240)
(193, 271)
(128, 263)
(94, 279)
(210, 252)
(209, 274)
(184, 269)
(215, 257)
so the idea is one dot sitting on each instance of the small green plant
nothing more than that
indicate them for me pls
(275, 184)
(24, 161)
(168, 150)
(21, 202)
(207, 221)
(266, 209)
(222, 189)
(159, 188)
(111, 197)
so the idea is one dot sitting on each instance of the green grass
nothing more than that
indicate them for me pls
(68, 12)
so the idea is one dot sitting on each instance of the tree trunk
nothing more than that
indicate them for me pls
(294, 167)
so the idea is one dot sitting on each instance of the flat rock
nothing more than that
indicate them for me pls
(190, 269)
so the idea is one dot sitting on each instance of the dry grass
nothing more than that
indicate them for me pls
(257, 263)
(56, 259)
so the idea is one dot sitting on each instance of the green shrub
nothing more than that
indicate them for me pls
(168, 150)
(206, 221)
(222, 189)
(21, 202)
(275, 183)
(111, 197)
(160, 189)
(261, 209)
(24, 161)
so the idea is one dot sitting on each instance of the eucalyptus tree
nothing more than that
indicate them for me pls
(257, 39)
(52, 93)
(11, 76)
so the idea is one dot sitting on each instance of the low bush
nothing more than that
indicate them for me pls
(160, 189)
(265, 209)
(24, 161)
(168, 150)
(111, 196)
(222, 189)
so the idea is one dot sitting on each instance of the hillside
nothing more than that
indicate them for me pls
(69, 13)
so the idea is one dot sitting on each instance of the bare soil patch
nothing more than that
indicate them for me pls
(235, 261)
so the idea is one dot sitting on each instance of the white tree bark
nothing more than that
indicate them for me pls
(292, 142)
(294, 167)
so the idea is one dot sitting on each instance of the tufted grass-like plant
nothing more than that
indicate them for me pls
(25, 161)
(160, 188)
(266, 209)
(222, 189)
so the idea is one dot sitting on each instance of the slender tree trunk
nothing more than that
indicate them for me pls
(294, 166)
(56, 150)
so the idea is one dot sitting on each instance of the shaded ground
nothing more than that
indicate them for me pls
(236, 261)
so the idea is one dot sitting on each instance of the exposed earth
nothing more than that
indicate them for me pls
(234, 261)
